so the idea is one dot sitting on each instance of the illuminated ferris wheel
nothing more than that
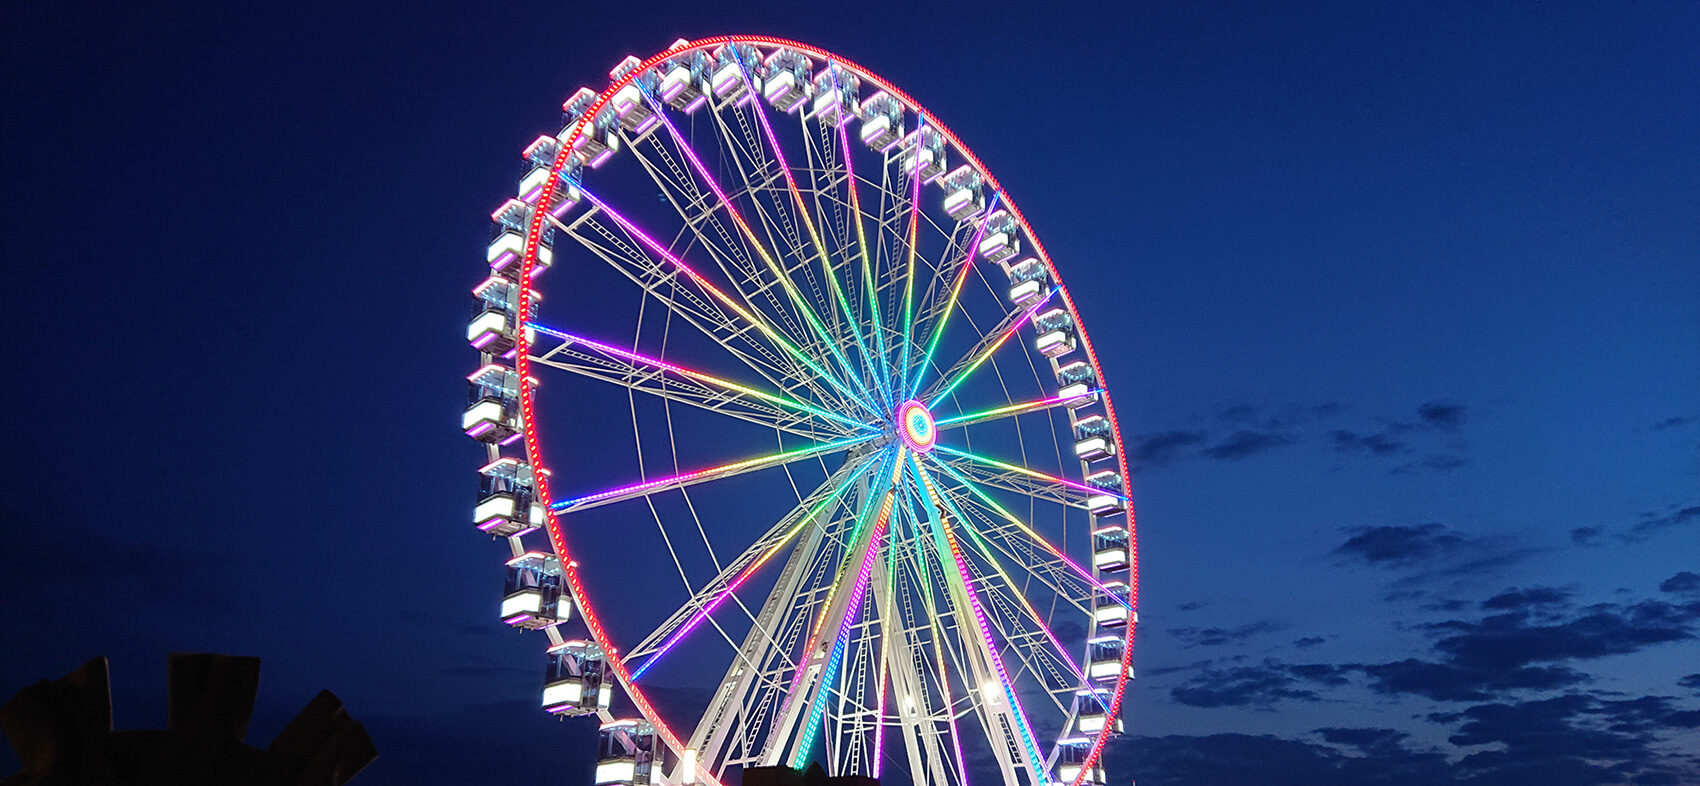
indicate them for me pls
(807, 455)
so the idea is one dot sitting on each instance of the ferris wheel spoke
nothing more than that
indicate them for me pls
(793, 729)
(930, 720)
(702, 307)
(939, 316)
(611, 496)
(1067, 578)
(1001, 589)
(696, 208)
(732, 730)
(1013, 740)
(760, 324)
(779, 271)
(988, 344)
(737, 263)
(639, 372)
(990, 531)
(803, 212)
(863, 249)
(1006, 411)
(706, 600)
(911, 247)
(1021, 480)
(662, 281)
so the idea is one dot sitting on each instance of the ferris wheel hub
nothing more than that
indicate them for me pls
(916, 427)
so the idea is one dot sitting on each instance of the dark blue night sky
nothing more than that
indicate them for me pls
(1400, 303)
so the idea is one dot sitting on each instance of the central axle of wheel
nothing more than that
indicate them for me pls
(915, 426)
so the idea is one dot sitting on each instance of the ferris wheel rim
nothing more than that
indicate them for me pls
(569, 567)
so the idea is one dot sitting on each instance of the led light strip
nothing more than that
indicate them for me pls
(971, 418)
(955, 292)
(1037, 538)
(701, 474)
(808, 222)
(779, 271)
(732, 586)
(909, 274)
(760, 324)
(1034, 760)
(697, 375)
(986, 353)
(1032, 473)
(862, 241)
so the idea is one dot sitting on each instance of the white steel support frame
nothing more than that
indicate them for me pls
(917, 603)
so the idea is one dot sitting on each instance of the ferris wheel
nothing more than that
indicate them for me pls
(807, 456)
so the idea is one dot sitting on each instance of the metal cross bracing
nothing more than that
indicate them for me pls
(916, 604)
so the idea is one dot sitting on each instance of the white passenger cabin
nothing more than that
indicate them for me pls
(1077, 384)
(628, 754)
(1029, 280)
(923, 149)
(631, 110)
(681, 84)
(1092, 439)
(835, 95)
(1055, 333)
(532, 597)
(496, 302)
(882, 121)
(1104, 661)
(1071, 762)
(508, 249)
(788, 86)
(492, 411)
(999, 241)
(508, 504)
(1090, 716)
(1110, 605)
(1111, 548)
(576, 679)
(962, 192)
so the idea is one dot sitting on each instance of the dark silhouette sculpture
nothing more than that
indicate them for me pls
(62, 731)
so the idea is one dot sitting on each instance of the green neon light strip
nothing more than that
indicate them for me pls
(987, 352)
(955, 292)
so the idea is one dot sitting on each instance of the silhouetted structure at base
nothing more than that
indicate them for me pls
(813, 776)
(62, 730)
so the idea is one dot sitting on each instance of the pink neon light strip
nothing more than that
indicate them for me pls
(784, 278)
(1026, 317)
(1032, 473)
(997, 412)
(760, 324)
(776, 458)
(732, 586)
(698, 375)
(955, 292)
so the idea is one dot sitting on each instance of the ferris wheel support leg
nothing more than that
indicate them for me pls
(711, 735)
(789, 735)
(921, 735)
(1001, 719)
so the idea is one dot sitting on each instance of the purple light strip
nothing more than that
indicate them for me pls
(784, 279)
(733, 585)
(1037, 538)
(1034, 760)
(760, 324)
